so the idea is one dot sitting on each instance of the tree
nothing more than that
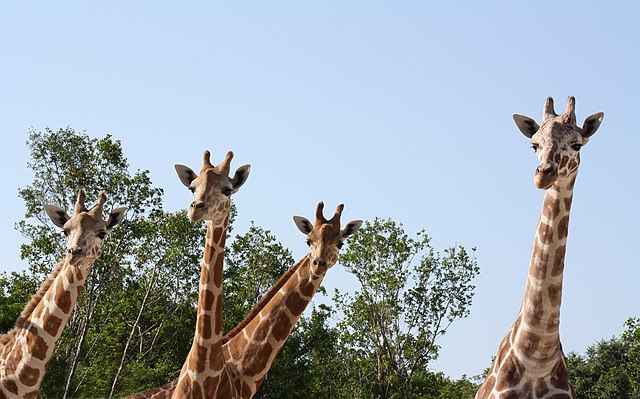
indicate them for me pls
(409, 296)
(139, 294)
(133, 324)
(609, 368)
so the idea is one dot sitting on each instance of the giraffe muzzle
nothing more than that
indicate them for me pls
(546, 174)
(197, 205)
(320, 262)
(319, 267)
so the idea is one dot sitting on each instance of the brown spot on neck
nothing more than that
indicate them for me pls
(528, 343)
(197, 359)
(29, 376)
(533, 307)
(11, 386)
(551, 207)
(38, 347)
(510, 373)
(52, 324)
(540, 261)
(204, 326)
(296, 303)
(563, 227)
(545, 233)
(560, 376)
(256, 358)
(555, 294)
(282, 326)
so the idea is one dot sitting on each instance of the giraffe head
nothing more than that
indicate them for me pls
(325, 238)
(558, 141)
(85, 230)
(212, 188)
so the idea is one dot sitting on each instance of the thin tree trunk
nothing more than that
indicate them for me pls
(76, 355)
(133, 329)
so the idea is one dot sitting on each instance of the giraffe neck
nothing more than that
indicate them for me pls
(204, 361)
(255, 311)
(166, 391)
(537, 327)
(31, 305)
(250, 353)
(29, 348)
(530, 358)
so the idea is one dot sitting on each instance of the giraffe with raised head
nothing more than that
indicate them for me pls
(203, 373)
(530, 362)
(27, 348)
(251, 347)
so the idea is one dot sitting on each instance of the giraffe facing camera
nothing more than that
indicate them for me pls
(28, 347)
(530, 362)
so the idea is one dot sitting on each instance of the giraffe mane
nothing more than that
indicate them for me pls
(31, 305)
(263, 301)
(168, 387)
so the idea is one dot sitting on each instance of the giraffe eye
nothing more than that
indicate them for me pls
(226, 191)
(193, 190)
(576, 147)
(101, 235)
(535, 147)
(309, 242)
(66, 233)
(339, 245)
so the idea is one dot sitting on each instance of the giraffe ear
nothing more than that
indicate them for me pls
(527, 126)
(241, 175)
(116, 217)
(57, 215)
(351, 228)
(591, 124)
(186, 175)
(304, 225)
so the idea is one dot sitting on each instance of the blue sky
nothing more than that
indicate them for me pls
(396, 109)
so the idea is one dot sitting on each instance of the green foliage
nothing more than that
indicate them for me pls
(253, 263)
(631, 336)
(610, 368)
(408, 298)
(133, 324)
(16, 289)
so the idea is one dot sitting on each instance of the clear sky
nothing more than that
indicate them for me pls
(397, 109)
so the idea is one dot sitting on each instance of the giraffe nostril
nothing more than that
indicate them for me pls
(74, 250)
(197, 205)
(546, 168)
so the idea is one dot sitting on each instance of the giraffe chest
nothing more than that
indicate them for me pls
(511, 379)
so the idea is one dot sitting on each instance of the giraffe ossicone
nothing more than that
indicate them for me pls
(28, 347)
(530, 362)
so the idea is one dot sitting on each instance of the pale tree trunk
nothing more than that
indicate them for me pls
(84, 329)
(133, 330)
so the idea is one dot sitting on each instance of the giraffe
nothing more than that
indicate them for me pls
(27, 348)
(212, 190)
(250, 348)
(530, 362)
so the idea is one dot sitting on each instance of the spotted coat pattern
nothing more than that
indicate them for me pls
(250, 349)
(28, 347)
(530, 363)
